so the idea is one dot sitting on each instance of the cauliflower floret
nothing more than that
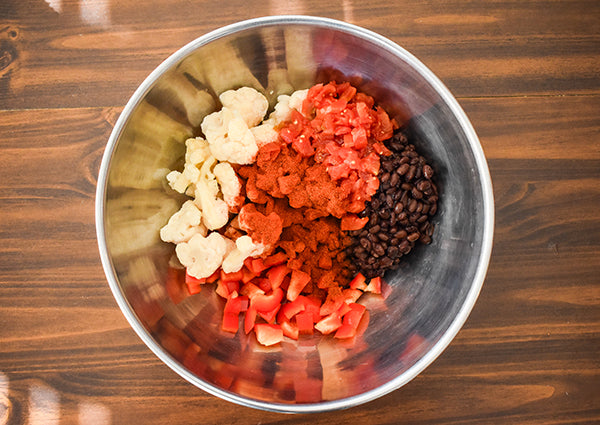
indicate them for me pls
(251, 104)
(229, 137)
(184, 224)
(197, 151)
(265, 133)
(244, 248)
(202, 256)
(285, 104)
(229, 183)
(215, 213)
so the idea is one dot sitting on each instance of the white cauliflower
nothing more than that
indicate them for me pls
(229, 137)
(184, 224)
(265, 133)
(229, 183)
(285, 104)
(244, 248)
(202, 256)
(215, 213)
(197, 151)
(251, 104)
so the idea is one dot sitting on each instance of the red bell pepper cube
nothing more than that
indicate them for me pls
(304, 322)
(267, 302)
(277, 274)
(247, 275)
(335, 299)
(374, 285)
(249, 320)
(289, 310)
(329, 323)
(297, 283)
(359, 282)
(236, 304)
(250, 290)
(352, 295)
(268, 334)
(191, 280)
(230, 322)
(270, 316)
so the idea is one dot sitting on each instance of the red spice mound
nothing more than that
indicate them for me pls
(265, 229)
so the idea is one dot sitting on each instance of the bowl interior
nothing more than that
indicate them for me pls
(433, 290)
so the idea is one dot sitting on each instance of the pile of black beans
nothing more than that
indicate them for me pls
(399, 213)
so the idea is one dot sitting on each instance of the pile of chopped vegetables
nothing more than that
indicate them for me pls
(277, 205)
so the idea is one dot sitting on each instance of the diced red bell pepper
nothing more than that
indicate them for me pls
(374, 285)
(312, 305)
(270, 316)
(236, 304)
(329, 323)
(266, 303)
(250, 290)
(345, 331)
(304, 322)
(355, 314)
(222, 290)
(255, 265)
(352, 295)
(194, 289)
(247, 275)
(290, 309)
(289, 329)
(213, 277)
(297, 283)
(230, 322)
(277, 274)
(249, 320)
(268, 334)
(231, 277)
(359, 282)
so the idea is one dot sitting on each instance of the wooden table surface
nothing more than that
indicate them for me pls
(527, 74)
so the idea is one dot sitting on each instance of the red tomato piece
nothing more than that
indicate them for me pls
(329, 323)
(304, 322)
(231, 277)
(270, 316)
(290, 309)
(250, 290)
(268, 334)
(359, 282)
(374, 285)
(266, 303)
(230, 322)
(249, 320)
(277, 274)
(353, 222)
(297, 283)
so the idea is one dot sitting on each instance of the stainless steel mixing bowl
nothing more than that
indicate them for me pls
(432, 292)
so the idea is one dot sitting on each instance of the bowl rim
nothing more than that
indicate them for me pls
(474, 144)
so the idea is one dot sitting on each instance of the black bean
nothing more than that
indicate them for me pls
(403, 168)
(379, 250)
(374, 229)
(383, 237)
(412, 206)
(413, 237)
(394, 179)
(427, 171)
(398, 207)
(385, 178)
(365, 243)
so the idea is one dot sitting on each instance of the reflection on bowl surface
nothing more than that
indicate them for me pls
(432, 292)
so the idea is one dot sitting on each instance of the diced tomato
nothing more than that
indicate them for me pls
(249, 320)
(374, 285)
(275, 260)
(329, 323)
(359, 282)
(236, 304)
(266, 303)
(250, 290)
(352, 295)
(247, 275)
(297, 283)
(304, 322)
(381, 149)
(270, 316)
(231, 277)
(255, 265)
(353, 222)
(268, 334)
(303, 146)
(230, 322)
(290, 309)
(277, 274)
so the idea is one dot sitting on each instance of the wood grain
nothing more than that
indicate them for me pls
(526, 73)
